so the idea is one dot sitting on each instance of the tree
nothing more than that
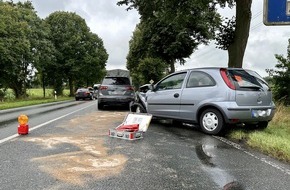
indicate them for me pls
(95, 59)
(19, 26)
(76, 50)
(281, 77)
(151, 69)
(173, 29)
(234, 34)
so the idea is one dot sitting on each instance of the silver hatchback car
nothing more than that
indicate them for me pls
(210, 97)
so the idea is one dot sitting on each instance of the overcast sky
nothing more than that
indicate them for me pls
(115, 26)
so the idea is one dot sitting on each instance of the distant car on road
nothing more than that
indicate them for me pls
(84, 93)
(116, 91)
(210, 97)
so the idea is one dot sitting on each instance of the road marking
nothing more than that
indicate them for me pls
(43, 124)
(264, 160)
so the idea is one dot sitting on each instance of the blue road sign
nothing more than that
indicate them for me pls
(277, 12)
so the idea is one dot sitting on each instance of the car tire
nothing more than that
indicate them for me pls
(176, 123)
(140, 109)
(259, 126)
(77, 99)
(211, 122)
(263, 124)
(100, 106)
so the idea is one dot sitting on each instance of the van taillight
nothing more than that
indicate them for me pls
(226, 79)
(103, 88)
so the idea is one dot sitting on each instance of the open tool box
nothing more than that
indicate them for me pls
(133, 127)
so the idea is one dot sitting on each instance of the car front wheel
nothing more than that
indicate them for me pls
(211, 121)
(140, 109)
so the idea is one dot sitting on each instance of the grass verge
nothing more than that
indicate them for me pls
(273, 141)
(29, 102)
(35, 96)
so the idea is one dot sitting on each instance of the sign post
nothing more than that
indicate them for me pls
(276, 12)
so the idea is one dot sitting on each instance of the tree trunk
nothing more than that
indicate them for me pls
(71, 87)
(237, 49)
(172, 67)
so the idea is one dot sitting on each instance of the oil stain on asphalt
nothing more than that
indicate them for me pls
(80, 149)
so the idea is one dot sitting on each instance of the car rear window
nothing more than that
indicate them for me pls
(244, 79)
(116, 81)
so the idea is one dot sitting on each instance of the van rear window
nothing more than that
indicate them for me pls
(116, 81)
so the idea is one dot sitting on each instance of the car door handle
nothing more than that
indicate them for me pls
(176, 95)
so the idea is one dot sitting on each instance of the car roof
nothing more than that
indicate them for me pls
(211, 68)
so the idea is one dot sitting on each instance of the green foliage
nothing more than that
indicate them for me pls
(274, 140)
(172, 29)
(151, 69)
(80, 54)
(226, 34)
(281, 77)
(18, 30)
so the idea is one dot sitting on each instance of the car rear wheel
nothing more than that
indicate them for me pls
(211, 121)
(263, 124)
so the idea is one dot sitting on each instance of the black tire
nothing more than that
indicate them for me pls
(263, 125)
(176, 123)
(77, 99)
(137, 108)
(140, 109)
(100, 106)
(258, 126)
(211, 121)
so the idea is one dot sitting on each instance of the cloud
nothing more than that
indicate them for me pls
(112, 23)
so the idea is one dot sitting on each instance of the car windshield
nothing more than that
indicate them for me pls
(116, 81)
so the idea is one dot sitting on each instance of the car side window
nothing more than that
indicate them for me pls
(172, 82)
(199, 79)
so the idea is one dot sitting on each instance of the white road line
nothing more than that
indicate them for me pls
(264, 160)
(43, 124)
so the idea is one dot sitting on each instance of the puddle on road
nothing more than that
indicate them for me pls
(87, 134)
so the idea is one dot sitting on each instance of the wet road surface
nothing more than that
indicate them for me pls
(75, 152)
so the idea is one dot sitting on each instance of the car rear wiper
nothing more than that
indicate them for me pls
(253, 87)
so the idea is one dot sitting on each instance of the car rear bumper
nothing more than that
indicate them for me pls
(248, 114)
(115, 100)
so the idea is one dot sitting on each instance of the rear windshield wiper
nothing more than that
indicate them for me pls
(252, 87)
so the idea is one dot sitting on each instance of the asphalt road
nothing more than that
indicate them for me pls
(68, 147)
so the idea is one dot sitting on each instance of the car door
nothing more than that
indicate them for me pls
(164, 99)
(200, 88)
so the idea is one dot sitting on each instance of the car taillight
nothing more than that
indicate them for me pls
(227, 80)
(130, 88)
(103, 88)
